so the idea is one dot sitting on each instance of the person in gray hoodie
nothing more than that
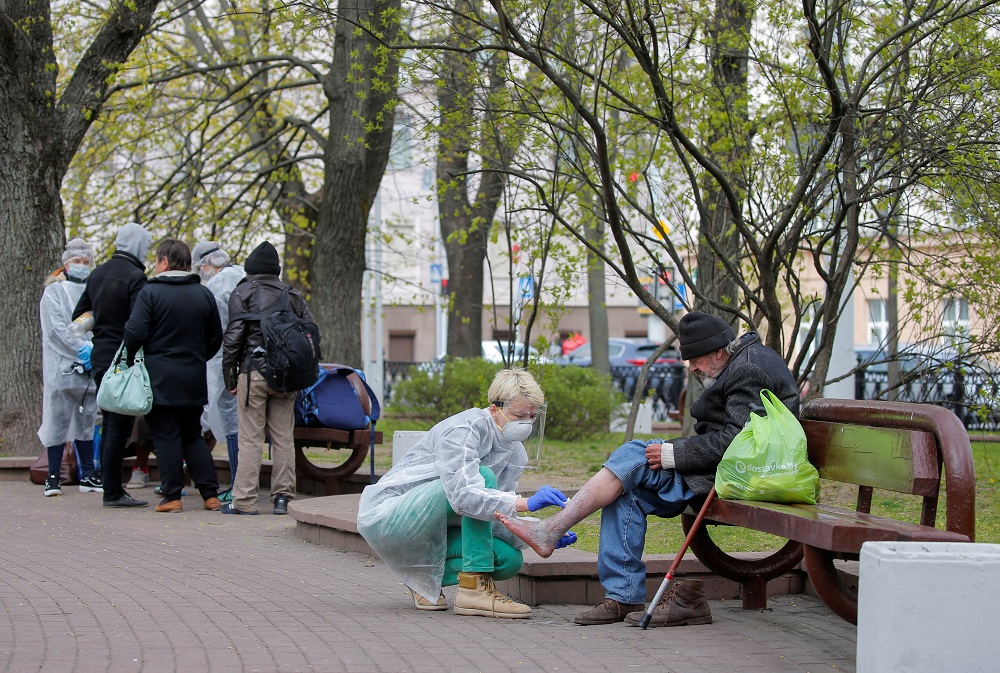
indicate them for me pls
(109, 296)
(659, 478)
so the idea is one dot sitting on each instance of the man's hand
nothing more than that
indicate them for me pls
(653, 452)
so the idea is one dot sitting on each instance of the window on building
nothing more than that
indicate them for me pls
(403, 141)
(401, 346)
(878, 321)
(955, 316)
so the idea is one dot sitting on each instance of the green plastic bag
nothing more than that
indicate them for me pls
(767, 460)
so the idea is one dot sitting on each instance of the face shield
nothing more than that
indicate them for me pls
(519, 413)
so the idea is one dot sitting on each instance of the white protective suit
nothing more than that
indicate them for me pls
(451, 452)
(220, 413)
(64, 392)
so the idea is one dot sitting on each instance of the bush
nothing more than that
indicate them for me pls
(436, 393)
(580, 402)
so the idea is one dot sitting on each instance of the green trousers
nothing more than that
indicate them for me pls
(473, 549)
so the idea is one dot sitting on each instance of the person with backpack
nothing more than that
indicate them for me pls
(271, 349)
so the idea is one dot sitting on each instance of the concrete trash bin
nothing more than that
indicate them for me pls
(928, 607)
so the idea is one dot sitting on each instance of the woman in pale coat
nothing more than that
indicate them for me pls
(69, 395)
(431, 517)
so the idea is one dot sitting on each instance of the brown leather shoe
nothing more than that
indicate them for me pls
(169, 506)
(213, 504)
(608, 611)
(683, 605)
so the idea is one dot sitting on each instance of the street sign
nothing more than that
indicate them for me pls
(436, 273)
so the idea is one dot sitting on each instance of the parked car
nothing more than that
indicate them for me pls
(666, 377)
(622, 353)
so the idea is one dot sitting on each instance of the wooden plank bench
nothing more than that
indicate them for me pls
(325, 478)
(892, 446)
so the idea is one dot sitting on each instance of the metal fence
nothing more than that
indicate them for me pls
(974, 397)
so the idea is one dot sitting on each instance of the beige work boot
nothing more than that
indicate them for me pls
(682, 605)
(477, 596)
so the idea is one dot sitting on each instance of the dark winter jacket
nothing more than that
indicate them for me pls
(253, 294)
(724, 408)
(110, 294)
(176, 322)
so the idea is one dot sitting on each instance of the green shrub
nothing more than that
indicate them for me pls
(458, 384)
(580, 401)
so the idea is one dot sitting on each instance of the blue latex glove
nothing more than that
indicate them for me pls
(566, 540)
(83, 356)
(547, 495)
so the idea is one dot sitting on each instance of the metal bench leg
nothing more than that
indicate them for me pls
(754, 594)
(828, 585)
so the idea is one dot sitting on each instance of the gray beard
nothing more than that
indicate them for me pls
(707, 382)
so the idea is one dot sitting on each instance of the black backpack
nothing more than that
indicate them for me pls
(291, 346)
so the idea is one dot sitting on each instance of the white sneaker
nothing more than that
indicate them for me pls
(139, 479)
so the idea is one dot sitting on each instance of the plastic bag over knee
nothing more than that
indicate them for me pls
(768, 461)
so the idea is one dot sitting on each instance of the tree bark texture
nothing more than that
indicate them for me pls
(719, 239)
(465, 222)
(39, 135)
(361, 88)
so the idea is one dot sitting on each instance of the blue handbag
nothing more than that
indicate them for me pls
(126, 390)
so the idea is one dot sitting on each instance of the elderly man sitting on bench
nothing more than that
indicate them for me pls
(661, 478)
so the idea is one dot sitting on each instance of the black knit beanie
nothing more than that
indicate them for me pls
(263, 259)
(701, 333)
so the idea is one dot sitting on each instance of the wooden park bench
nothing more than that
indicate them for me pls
(325, 479)
(892, 446)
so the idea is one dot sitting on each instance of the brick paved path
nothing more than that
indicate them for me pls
(88, 589)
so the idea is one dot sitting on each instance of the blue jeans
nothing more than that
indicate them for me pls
(623, 522)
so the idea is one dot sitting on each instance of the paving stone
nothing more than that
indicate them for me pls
(91, 590)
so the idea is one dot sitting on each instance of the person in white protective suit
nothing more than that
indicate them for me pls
(431, 517)
(69, 395)
(220, 276)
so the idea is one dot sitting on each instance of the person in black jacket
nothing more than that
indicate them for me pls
(257, 403)
(176, 322)
(110, 293)
(643, 478)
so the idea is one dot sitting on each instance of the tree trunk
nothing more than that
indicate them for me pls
(31, 240)
(361, 119)
(719, 239)
(465, 222)
(39, 135)
(597, 296)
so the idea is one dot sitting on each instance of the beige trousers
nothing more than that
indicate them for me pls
(276, 412)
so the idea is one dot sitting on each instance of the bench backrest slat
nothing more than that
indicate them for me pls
(905, 461)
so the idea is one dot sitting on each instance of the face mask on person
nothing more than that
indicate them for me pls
(78, 271)
(516, 431)
(207, 272)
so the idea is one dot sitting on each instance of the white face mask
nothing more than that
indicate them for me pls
(78, 271)
(517, 431)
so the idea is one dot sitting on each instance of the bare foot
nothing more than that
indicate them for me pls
(532, 532)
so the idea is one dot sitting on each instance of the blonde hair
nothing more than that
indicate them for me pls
(509, 384)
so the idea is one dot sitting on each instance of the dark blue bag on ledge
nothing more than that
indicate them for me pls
(340, 399)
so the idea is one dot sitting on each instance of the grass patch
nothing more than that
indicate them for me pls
(567, 465)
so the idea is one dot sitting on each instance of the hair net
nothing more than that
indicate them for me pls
(208, 252)
(78, 248)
